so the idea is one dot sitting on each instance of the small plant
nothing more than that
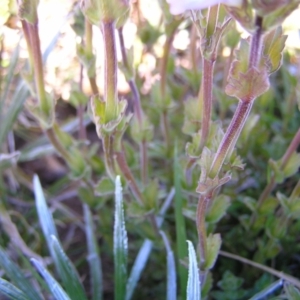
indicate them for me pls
(210, 182)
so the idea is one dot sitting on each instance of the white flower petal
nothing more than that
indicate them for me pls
(180, 6)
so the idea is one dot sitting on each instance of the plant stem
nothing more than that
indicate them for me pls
(242, 112)
(231, 136)
(206, 98)
(202, 237)
(284, 160)
(120, 158)
(163, 82)
(80, 110)
(110, 70)
(89, 51)
(108, 157)
(57, 144)
(27, 38)
(137, 109)
(276, 273)
(38, 66)
(255, 47)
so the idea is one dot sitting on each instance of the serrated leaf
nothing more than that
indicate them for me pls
(247, 86)
(12, 292)
(55, 288)
(171, 270)
(120, 244)
(67, 272)
(193, 291)
(93, 256)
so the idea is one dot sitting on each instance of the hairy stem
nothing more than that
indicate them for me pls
(138, 111)
(89, 51)
(110, 69)
(231, 136)
(202, 237)
(108, 157)
(242, 112)
(206, 98)
(120, 158)
(38, 66)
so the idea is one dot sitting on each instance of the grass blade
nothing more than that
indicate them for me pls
(145, 250)
(67, 272)
(9, 76)
(120, 244)
(12, 292)
(45, 217)
(55, 288)
(13, 110)
(180, 225)
(171, 270)
(16, 276)
(138, 267)
(93, 256)
(268, 290)
(193, 291)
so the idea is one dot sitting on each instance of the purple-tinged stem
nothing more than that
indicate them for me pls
(206, 98)
(89, 52)
(231, 136)
(38, 66)
(138, 111)
(110, 69)
(242, 112)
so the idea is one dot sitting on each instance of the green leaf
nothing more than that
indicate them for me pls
(230, 282)
(273, 45)
(292, 165)
(193, 291)
(218, 209)
(104, 187)
(171, 270)
(213, 247)
(180, 224)
(16, 276)
(67, 272)
(55, 288)
(93, 256)
(120, 244)
(12, 292)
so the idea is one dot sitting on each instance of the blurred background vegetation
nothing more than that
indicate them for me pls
(268, 235)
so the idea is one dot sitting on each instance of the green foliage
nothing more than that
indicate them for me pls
(189, 173)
